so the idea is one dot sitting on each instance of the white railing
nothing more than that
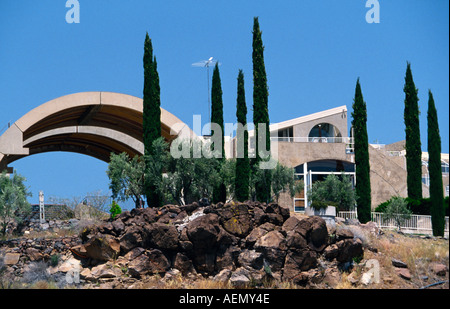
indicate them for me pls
(346, 140)
(414, 224)
(393, 153)
(347, 214)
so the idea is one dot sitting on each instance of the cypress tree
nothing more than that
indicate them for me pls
(219, 190)
(412, 130)
(435, 170)
(217, 105)
(260, 109)
(151, 113)
(242, 161)
(359, 123)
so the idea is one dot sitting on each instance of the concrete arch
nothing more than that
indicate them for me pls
(325, 129)
(91, 123)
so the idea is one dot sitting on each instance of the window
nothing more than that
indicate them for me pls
(331, 166)
(285, 134)
(311, 172)
(445, 167)
(324, 130)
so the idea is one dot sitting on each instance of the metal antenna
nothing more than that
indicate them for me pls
(206, 64)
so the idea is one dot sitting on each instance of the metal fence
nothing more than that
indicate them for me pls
(413, 224)
(333, 140)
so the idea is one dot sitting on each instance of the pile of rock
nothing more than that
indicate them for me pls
(51, 225)
(244, 242)
(17, 254)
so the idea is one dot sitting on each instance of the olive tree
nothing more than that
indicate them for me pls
(397, 211)
(333, 192)
(13, 199)
(127, 178)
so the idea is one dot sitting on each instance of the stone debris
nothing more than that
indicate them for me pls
(244, 243)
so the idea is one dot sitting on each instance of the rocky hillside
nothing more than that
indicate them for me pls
(242, 243)
(233, 245)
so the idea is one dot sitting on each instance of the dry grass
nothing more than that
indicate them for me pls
(418, 253)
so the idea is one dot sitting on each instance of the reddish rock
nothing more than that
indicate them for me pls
(403, 273)
(438, 268)
(102, 247)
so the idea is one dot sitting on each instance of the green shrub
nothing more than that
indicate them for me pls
(115, 210)
(397, 210)
(417, 207)
(333, 191)
(54, 260)
(318, 205)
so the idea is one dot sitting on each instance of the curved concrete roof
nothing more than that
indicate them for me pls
(91, 123)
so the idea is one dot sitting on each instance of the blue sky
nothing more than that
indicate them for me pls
(314, 52)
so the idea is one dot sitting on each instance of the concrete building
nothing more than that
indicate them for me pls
(319, 144)
(316, 145)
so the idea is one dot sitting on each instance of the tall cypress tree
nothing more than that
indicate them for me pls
(435, 169)
(260, 109)
(219, 190)
(242, 161)
(217, 105)
(359, 124)
(151, 113)
(412, 130)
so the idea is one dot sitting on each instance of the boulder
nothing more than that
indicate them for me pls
(226, 259)
(34, 254)
(342, 233)
(223, 276)
(240, 278)
(295, 240)
(273, 247)
(161, 236)
(235, 218)
(296, 262)
(331, 252)
(106, 270)
(131, 238)
(11, 258)
(158, 262)
(150, 215)
(250, 258)
(102, 247)
(205, 262)
(290, 224)
(271, 213)
(105, 228)
(303, 227)
(349, 249)
(134, 253)
(257, 233)
(272, 239)
(203, 232)
(138, 266)
(150, 262)
(118, 226)
(318, 235)
(277, 209)
(183, 263)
